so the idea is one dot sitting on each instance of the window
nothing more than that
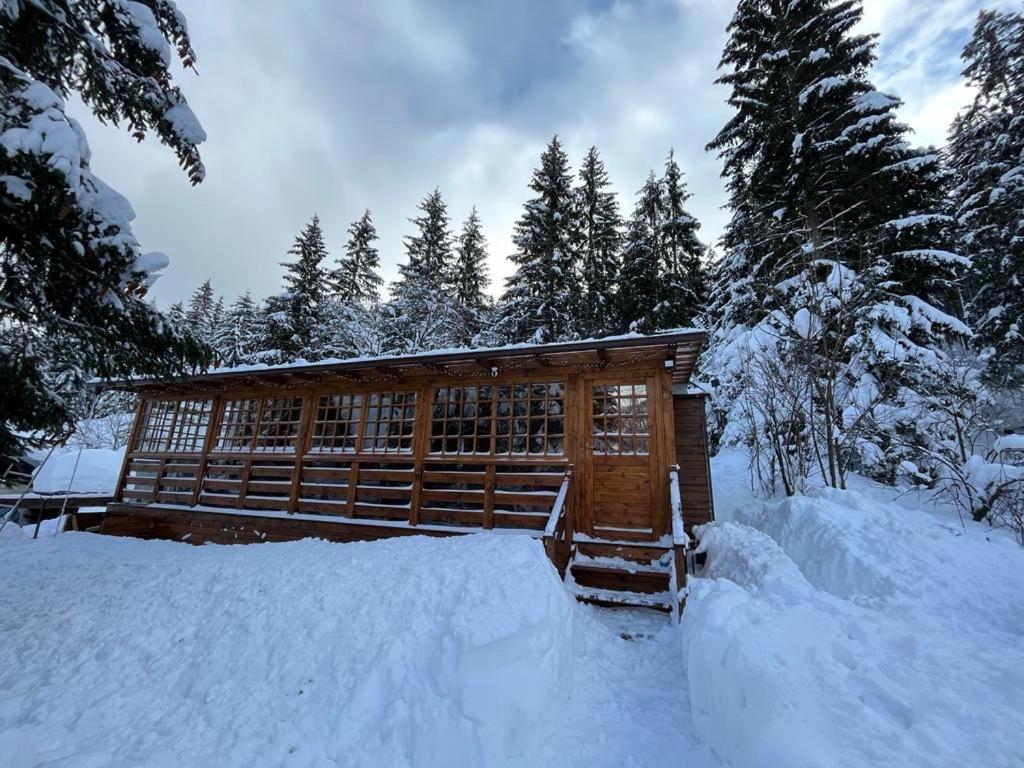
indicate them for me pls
(269, 425)
(620, 424)
(177, 426)
(366, 422)
(503, 419)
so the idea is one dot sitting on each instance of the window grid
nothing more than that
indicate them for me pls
(237, 425)
(620, 424)
(365, 422)
(174, 426)
(336, 428)
(499, 419)
(390, 422)
(278, 424)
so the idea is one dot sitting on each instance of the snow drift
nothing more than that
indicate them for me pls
(845, 630)
(96, 471)
(410, 651)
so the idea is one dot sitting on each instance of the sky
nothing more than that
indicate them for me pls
(330, 108)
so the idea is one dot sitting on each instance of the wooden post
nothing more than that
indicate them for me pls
(490, 481)
(303, 439)
(208, 443)
(420, 446)
(128, 450)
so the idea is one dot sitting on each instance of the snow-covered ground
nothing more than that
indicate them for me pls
(852, 628)
(89, 470)
(426, 652)
(855, 628)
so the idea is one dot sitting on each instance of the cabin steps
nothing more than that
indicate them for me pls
(621, 573)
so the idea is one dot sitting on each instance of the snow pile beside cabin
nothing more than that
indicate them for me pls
(412, 651)
(845, 629)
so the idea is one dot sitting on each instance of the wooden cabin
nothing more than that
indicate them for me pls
(593, 446)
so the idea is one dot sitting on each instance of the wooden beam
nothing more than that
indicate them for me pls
(386, 371)
(437, 368)
(486, 364)
(543, 361)
(603, 356)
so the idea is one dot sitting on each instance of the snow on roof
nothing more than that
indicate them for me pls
(525, 348)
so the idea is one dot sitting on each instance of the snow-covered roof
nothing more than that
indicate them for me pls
(684, 343)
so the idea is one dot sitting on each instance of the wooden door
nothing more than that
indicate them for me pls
(620, 494)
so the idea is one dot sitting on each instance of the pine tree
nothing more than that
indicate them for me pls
(986, 152)
(837, 234)
(642, 260)
(429, 251)
(240, 335)
(204, 314)
(599, 232)
(306, 283)
(355, 279)
(470, 277)
(73, 272)
(538, 301)
(684, 282)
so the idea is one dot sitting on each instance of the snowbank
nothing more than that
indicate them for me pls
(97, 471)
(844, 629)
(415, 651)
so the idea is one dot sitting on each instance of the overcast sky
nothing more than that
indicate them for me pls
(317, 106)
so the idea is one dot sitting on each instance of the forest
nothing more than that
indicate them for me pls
(864, 306)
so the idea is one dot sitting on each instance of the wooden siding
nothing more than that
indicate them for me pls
(691, 444)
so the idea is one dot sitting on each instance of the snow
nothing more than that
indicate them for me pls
(96, 472)
(854, 628)
(1009, 443)
(463, 651)
(149, 33)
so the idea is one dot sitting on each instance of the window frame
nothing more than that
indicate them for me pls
(178, 413)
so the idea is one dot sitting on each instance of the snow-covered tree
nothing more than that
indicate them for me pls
(639, 279)
(356, 279)
(240, 335)
(838, 254)
(306, 283)
(429, 250)
(469, 277)
(599, 233)
(538, 301)
(205, 314)
(986, 153)
(684, 281)
(422, 313)
(71, 269)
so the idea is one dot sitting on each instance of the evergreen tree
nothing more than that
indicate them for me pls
(355, 279)
(205, 314)
(538, 301)
(470, 276)
(241, 333)
(838, 238)
(640, 278)
(306, 283)
(422, 313)
(684, 282)
(71, 270)
(986, 152)
(599, 235)
(429, 251)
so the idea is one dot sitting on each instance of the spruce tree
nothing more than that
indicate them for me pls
(986, 152)
(683, 282)
(469, 277)
(72, 271)
(838, 237)
(642, 261)
(538, 301)
(306, 283)
(599, 233)
(355, 279)
(422, 313)
(240, 336)
(429, 250)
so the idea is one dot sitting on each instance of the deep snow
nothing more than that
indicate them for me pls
(855, 628)
(415, 651)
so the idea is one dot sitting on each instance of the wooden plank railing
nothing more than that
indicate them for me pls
(680, 542)
(558, 531)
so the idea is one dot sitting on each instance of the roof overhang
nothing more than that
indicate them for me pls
(677, 349)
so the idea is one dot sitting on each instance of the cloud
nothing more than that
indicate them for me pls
(335, 107)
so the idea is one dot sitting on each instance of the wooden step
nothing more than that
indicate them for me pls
(660, 601)
(604, 577)
(640, 553)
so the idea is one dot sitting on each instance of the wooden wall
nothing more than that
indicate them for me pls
(691, 441)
